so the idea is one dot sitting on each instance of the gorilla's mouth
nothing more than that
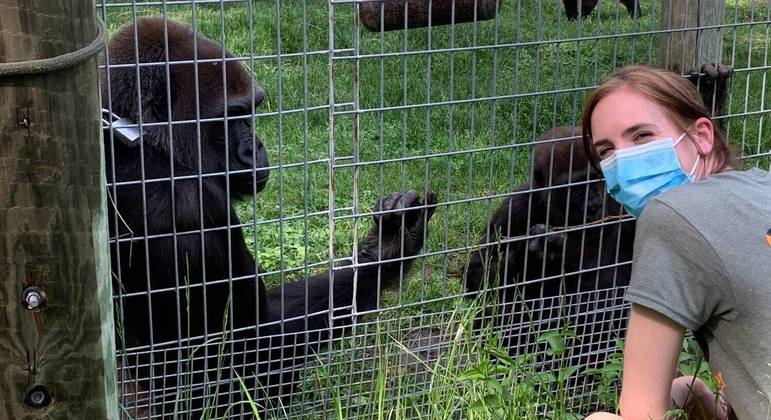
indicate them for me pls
(248, 183)
(261, 179)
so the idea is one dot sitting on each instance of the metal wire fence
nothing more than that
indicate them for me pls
(456, 108)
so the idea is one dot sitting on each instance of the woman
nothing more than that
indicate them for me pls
(702, 259)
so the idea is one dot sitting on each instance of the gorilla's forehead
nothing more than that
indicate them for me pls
(196, 63)
(561, 156)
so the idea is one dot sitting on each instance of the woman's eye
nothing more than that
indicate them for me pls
(603, 152)
(642, 135)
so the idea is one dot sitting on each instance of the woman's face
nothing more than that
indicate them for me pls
(626, 118)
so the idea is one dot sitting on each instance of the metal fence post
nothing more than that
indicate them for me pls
(56, 323)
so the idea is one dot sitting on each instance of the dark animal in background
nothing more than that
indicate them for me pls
(549, 259)
(585, 7)
(712, 82)
(183, 270)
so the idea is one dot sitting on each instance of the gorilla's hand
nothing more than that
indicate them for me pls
(401, 220)
(711, 81)
(389, 210)
(547, 247)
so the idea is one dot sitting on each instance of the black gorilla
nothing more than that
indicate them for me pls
(713, 83)
(183, 271)
(572, 7)
(547, 257)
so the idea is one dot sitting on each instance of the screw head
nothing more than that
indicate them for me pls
(38, 397)
(33, 300)
(33, 297)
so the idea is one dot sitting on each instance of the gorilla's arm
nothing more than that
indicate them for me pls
(388, 240)
(510, 219)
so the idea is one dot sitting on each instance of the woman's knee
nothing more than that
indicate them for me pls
(696, 398)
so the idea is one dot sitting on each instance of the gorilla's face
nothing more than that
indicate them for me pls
(238, 152)
(581, 193)
(574, 191)
(248, 158)
(230, 146)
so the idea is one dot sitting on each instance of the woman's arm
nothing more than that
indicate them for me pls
(652, 346)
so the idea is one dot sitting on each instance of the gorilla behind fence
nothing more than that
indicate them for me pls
(183, 272)
(550, 258)
(582, 8)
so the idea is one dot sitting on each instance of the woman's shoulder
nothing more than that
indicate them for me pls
(721, 192)
(720, 202)
(747, 177)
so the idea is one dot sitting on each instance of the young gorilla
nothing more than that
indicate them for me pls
(548, 259)
(183, 271)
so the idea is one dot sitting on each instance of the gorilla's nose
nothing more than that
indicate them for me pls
(246, 152)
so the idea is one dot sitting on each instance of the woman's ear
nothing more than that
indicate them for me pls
(702, 133)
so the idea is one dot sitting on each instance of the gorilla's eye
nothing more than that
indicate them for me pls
(240, 124)
(215, 131)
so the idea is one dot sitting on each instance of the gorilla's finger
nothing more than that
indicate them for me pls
(431, 202)
(409, 199)
(388, 202)
(710, 70)
(431, 199)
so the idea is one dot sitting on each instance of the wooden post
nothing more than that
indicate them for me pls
(682, 51)
(58, 360)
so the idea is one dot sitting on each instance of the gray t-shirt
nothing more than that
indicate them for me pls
(702, 258)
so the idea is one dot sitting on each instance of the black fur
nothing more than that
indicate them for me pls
(572, 7)
(544, 219)
(195, 270)
(712, 82)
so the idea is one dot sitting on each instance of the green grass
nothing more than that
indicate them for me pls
(293, 83)
(475, 149)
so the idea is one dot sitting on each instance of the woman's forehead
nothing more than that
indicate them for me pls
(622, 109)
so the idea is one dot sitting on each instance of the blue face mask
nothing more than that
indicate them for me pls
(635, 174)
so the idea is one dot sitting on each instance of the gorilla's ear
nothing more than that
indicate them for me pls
(541, 161)
(152, 81)
(243, 105)
(240, 106)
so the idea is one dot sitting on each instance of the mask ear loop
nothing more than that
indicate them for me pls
(679, 139)
(695, 165)
(698, 156)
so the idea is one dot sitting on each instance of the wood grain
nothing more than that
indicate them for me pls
(53, 231)
(682, 51)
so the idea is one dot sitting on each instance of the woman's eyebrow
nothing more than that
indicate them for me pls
(629, 131)
(600, 142)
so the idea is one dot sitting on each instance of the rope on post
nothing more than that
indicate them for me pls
(60, 62)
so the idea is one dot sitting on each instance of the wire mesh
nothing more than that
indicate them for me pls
(351, 115)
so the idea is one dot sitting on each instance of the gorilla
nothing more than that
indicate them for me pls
(712, 80)
(586, 7)
(547, 254)
(191, 305)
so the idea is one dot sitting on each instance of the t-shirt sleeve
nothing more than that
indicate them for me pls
(676, 271)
